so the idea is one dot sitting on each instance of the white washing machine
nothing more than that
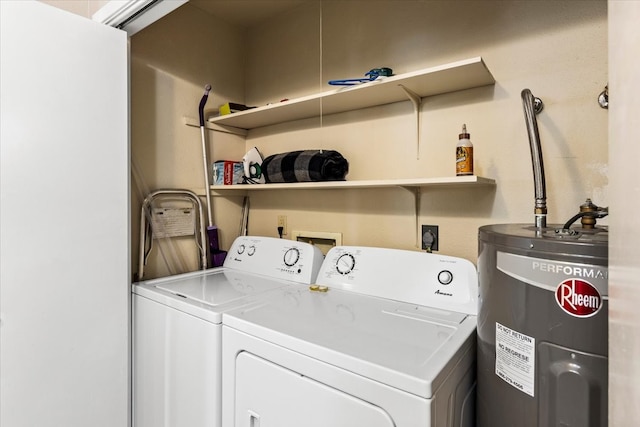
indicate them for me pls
(177, 328)
(389, 342)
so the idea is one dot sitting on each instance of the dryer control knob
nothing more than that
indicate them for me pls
(445, 277)
(345, 264)
(291, 256)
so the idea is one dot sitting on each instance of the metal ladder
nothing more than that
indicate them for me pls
(167, 223)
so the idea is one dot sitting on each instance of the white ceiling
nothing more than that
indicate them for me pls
(245, 13)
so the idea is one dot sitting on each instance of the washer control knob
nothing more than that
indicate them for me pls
(345, 263)
(445, 277)
(241, 249)
(291, 256)
(252, 250)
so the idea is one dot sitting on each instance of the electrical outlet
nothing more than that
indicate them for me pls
(430, 237)
(282, 222)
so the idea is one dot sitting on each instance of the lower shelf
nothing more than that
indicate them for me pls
(334, 185)
(416, 186)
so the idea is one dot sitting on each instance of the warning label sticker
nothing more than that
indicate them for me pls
(515, 358)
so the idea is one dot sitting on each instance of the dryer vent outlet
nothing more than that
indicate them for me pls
(430, 238)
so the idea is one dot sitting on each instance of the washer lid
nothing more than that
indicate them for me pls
(406, 346)
(207, 293)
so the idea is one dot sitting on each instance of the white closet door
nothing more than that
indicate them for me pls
(268, 395)
(64, 220)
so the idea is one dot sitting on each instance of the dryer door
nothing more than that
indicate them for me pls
(269, 395)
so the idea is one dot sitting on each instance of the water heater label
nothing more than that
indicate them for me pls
(515, 358)
(578, 298)
(546, 273)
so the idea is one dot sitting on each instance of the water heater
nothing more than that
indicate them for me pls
(543, 314)
(542, 327)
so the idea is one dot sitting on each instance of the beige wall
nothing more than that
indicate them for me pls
(171, 62)
(557, 49)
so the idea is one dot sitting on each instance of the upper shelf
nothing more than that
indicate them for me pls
(460, 75)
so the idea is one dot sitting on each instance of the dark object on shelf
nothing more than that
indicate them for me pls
(305, 166)
(371, 75)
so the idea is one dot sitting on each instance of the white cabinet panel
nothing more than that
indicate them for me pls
(64, 220)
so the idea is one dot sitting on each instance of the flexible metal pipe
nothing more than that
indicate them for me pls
(540, 210)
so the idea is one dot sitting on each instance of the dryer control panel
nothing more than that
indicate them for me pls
(275, 258)
(420, 278)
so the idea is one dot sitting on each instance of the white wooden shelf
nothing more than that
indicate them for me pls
(194, 122)
(415, 186)
(414, 86)
(358, 184)
(460, 75)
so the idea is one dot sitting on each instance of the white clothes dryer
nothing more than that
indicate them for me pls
(177, 327)
(388, 340)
